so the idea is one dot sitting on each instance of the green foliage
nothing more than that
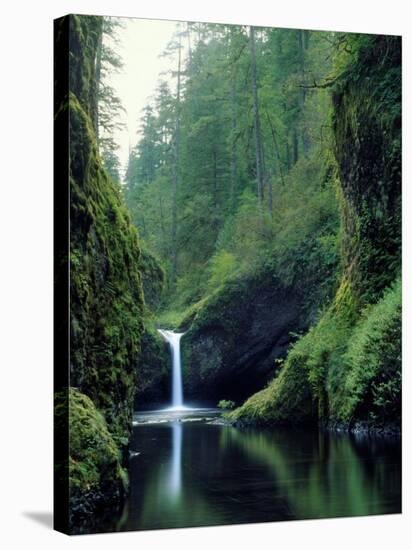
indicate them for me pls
(351, 359)
(226, 404)
(222, 230)
(109, 107)
(153, 279)
(372, 388)
(170, 319)
(222, 267)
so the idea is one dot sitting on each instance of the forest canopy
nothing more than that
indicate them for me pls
(234, 168)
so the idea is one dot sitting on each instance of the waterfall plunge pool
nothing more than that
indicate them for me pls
(190, 471)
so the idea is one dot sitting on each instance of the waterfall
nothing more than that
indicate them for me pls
(173, 338)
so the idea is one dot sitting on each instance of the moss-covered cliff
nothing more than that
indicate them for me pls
(347, 368)
(367, 131)
(105, 285)
(154, 370)
(106, 299)
(97, 478)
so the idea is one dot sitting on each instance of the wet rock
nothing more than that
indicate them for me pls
(230, 348)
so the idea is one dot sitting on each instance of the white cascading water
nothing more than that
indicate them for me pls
(173, 338)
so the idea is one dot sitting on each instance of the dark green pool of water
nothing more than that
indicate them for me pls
(192, 473)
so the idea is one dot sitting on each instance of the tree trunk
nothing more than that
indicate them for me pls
(162, 224)
(295, 146)
(176, 167)
(287, 156)
(303, 44)
(270, 193)
(233, 157)
(189, 42)
(256, 120)
(215, 201)
(306, 35)
(98, 70)
(275, 143)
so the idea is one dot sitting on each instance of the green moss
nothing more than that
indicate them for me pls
(346, 305)
(286, 400)
(94, 462)
(106, 299)
(105, 284)
(84, 32)
(367, 130)
(352, 371)
(182, 318)
(153, 379)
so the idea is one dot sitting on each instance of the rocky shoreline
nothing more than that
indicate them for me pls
(363, 427)
(358, 428)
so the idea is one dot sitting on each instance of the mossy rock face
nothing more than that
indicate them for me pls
(154, 372)
(230, 348)
(106, 299)
(286, 401)
(367, 129)
(338, 373)
(97, 481)
(84, 35)
(105, 284)
(297, 394)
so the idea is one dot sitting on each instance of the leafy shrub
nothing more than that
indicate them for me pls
(226, 404)
(221, 267)
(323, 347)
(372, 388)
(153, 278)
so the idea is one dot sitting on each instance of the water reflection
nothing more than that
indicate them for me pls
(175, 476)
(326, 475)
(191, 473)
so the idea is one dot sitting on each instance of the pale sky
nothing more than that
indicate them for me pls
(141, 43)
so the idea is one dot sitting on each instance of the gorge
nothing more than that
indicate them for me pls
(249, 255)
